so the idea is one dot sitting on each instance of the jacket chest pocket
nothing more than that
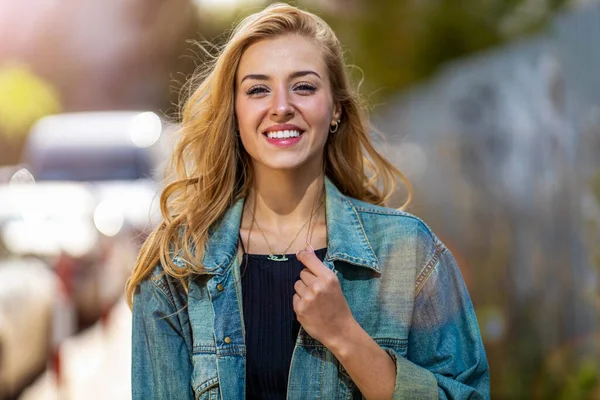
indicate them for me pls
(205, 380)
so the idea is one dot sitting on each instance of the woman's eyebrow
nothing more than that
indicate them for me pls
(258, 77)
(297, 74)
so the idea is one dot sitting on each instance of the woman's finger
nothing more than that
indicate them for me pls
(301, 289)
(312, 263)
(308, 277)
(296, 302)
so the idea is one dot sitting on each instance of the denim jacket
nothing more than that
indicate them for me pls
(401, 283)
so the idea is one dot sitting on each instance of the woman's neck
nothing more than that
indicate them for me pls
(283, 212)
(282, 199)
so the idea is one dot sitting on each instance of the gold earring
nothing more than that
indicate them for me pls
(335, 126)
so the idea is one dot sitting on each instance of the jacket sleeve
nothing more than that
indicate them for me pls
(161, 365)
(445, 357)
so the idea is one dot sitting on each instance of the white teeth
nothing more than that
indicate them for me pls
(282, 134)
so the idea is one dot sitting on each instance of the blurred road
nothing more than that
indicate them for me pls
(95, 363)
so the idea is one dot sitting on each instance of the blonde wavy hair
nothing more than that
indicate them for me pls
(211, 168)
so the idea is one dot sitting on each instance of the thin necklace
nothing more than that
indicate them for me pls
(282, 256)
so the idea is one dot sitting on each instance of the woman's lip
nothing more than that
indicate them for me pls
(283, 142)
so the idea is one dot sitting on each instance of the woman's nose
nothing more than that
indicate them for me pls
(282, 107)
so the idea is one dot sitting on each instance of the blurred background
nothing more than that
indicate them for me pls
(491, 108)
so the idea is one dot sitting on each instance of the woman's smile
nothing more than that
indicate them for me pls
(283, 135)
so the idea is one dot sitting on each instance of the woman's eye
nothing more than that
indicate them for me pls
(305, 88)
(255, 90)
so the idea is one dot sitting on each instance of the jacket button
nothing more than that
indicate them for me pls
(227, 340)
(220, 287)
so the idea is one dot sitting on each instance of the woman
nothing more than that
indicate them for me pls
(277, 271)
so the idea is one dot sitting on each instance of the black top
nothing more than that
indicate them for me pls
(270, 320)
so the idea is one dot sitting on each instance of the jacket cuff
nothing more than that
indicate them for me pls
(412, 381)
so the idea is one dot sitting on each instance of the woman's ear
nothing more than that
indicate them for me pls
(337, 112)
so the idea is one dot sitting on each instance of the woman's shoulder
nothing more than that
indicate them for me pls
(388, 228)
(378, 217)
(171, 288)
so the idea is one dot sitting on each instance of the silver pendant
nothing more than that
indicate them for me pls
(274, 257)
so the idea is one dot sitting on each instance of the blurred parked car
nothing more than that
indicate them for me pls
(27, 290)
(85, 199)
(94, 146)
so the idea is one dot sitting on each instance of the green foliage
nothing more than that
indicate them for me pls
(584, 384)
(24, 98)
(573, 381)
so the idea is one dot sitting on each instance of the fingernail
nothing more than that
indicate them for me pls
(309, 248)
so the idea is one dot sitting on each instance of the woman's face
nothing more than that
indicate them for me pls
(284, 104)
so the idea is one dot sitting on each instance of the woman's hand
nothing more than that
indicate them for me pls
(325, 315)
(319, 303)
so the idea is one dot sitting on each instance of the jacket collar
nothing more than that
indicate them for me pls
(346, 237)
(347, 240)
